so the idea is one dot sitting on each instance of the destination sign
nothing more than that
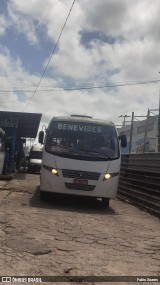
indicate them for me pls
(8, 122)
(88, 128)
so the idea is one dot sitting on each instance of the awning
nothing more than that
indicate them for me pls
(27, 124)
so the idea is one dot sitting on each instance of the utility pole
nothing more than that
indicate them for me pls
(131, 133)
(146, 131)
(159, 125)
(124, 119)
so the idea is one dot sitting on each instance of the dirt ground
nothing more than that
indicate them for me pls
(73, 236)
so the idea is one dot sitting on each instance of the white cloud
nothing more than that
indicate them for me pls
(105, 16)
(14, 77)
(3, 25)
(49, 13)
(134, 57)
(23, 24)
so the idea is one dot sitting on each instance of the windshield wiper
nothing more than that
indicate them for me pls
(94, 151)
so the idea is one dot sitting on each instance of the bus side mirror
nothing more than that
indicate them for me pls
(41, 137)
(123, 140)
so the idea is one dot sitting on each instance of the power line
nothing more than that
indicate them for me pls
(47, 85)
(53, 51)
(58, 89)
(5, 102)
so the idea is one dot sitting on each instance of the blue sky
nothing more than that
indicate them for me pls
(104, 42)
(32, 56)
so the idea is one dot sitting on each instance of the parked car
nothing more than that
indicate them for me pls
(35, 159)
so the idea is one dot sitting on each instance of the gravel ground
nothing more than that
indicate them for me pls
(74, 236)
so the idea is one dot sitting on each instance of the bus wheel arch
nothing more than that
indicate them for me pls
(105, 202)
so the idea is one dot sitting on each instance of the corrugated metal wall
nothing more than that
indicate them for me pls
(140, 180)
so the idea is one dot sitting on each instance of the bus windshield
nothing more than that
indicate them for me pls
(81, 138)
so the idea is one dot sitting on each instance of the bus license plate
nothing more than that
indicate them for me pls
(80, 181)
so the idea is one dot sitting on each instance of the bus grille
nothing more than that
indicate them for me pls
(80, 187)
(80, 174)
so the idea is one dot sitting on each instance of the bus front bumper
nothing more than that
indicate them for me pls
(58, 184)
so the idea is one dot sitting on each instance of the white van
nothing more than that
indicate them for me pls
(35, 158)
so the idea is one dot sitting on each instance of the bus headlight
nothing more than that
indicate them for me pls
(54, 171)
(108, 176)
(51, 169)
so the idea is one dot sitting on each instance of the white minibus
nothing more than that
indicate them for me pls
(81, 156)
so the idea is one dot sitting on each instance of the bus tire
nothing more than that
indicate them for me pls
(42, 195)
(105, 202)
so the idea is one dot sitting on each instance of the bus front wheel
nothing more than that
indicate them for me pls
(105, 202)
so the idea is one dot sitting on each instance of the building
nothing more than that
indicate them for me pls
(138, 135)
(18, 127)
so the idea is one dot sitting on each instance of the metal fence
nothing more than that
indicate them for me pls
(140, 180)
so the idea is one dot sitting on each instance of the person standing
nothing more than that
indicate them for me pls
(6, 161)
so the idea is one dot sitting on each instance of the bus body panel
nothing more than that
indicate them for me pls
(57, 184)
(64, 163)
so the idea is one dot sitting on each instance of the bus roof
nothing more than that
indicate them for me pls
(85, 119)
